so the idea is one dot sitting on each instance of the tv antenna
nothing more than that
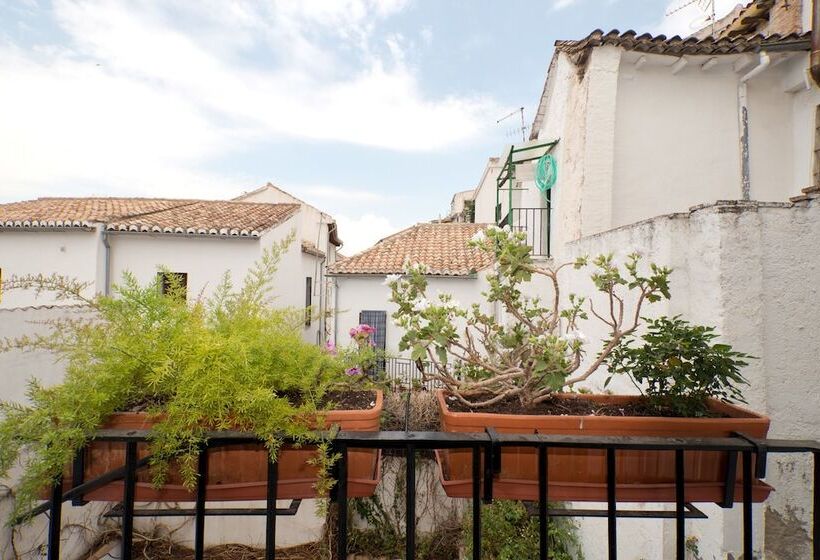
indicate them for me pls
(707, 7)
(523, 128)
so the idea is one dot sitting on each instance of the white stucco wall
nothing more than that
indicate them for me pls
(485, 193)
(81, 526)
(742, 268)
(72, 253)
(642, 141)
(357, 293)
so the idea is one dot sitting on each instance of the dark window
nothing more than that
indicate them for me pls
(175, 283)
(308, 299)
(377, 320)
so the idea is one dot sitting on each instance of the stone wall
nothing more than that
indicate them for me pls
(751, 270)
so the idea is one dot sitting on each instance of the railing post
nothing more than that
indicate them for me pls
(543, 496)
(129, 489)
(410, 521)
(612, 519)
(341, 499)
(477, 502)
(680, 512)
(199, 521)
(270, 514)
(55, 520)
(77, 476)
(816, 512)
(747, 504)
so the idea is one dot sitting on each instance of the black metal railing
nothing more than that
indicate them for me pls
(486, 449)
(535, 223)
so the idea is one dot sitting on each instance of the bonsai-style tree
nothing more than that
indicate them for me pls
(228, 362)
(538, 350)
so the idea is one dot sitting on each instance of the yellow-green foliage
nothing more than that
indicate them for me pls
(222, 363)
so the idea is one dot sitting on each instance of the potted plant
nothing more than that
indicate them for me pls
(517, 376)
(147, 358)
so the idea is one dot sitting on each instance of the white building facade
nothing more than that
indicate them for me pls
(701, 154)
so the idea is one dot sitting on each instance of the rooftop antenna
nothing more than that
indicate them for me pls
(523, 126)
(705, 6)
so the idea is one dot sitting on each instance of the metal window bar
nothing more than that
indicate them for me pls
(536, 223)
(479, 443)
(403, 373)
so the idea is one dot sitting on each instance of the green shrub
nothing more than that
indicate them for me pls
(678, 367)
(509, 532)
(231, 361)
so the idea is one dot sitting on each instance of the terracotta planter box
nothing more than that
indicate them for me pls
(238, 472)
(580, 474)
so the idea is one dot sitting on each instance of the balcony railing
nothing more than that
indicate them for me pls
(485, 447)
(402, 373)
(535, 222)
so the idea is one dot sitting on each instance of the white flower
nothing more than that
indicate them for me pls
(493, 227)
(478, 237)
(391, 279)
(507, 228)
(420, 304)
(575, 336)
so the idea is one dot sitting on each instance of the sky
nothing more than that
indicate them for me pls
(374, 111)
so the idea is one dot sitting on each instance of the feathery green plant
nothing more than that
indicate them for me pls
(228, 362)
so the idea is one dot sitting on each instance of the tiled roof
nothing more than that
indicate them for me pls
(310, 248)
(749, 18)
(210, 217)
(676, 46)
(442, 248)
(77, 212)
(153, 215)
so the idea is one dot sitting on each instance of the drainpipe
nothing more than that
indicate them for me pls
(743, 117)
(815, 43)
(106, 260)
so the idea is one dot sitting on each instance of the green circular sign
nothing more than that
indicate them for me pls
(546, 173)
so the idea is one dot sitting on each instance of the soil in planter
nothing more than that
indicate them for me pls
(569, 406)
(352, 400)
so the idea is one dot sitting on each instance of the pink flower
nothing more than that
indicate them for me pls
(353, 371)
(330, 347)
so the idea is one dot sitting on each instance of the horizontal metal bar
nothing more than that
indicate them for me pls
(82, 489)
(291, 510)
(692, 512)
(534, 147)
(438, 440)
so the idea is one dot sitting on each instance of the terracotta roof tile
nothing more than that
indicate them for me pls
(676, 46)
(310, 248)
(153, 215)
(78, 212)
(210, 217)
(441, 247)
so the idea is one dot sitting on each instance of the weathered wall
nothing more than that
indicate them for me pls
(744, 268)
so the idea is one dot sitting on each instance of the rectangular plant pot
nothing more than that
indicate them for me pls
(237, 472)
(580, 474)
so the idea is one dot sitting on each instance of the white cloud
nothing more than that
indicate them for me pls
(359, 233)
(561, 4)
(143, 95)
(685, 18)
